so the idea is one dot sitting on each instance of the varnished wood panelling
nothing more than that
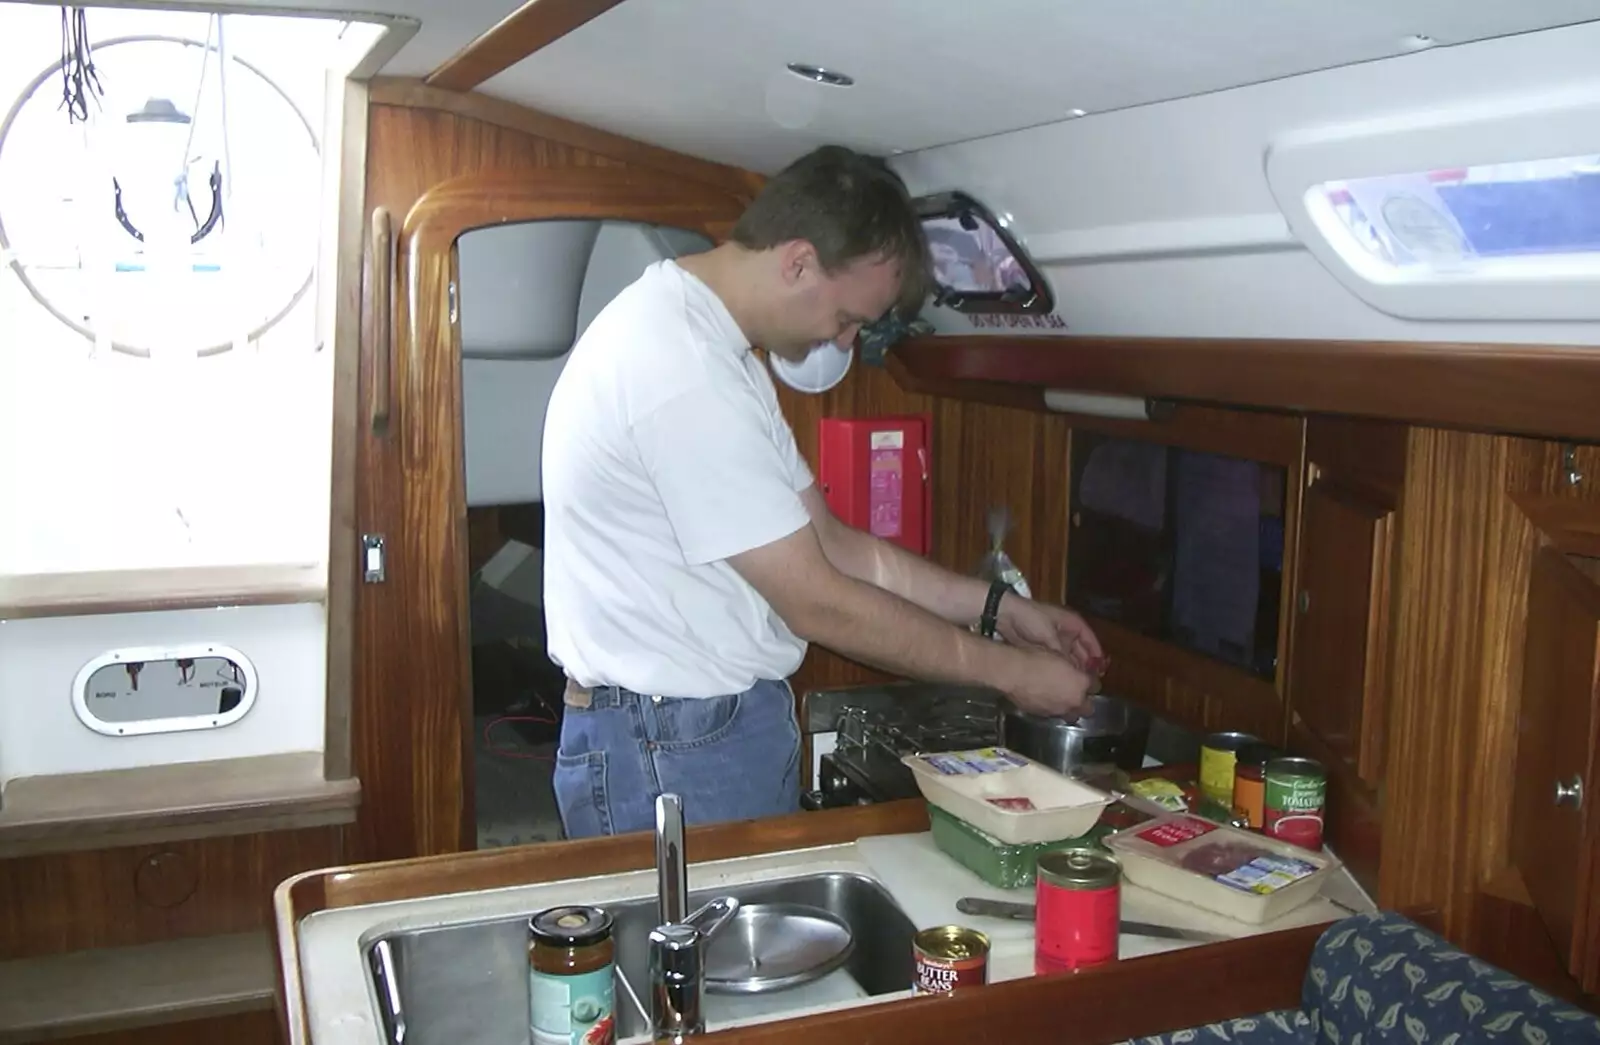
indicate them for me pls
(402, 93)
(144, 894)
(447, 173)
(984, 454)
(1536, 479)
(1454, 622)
(1541, 390)
(1465, 550)
(1551, 843)
(1343, 625)
(1508, 933)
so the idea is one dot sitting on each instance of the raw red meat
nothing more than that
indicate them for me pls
(1218, 858)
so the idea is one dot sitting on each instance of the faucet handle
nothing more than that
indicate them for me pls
(676, 982)
(710, 919)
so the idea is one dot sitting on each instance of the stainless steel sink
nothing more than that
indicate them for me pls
(468, 984)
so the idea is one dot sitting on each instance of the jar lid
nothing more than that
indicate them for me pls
(570, 926)
(1258, 753)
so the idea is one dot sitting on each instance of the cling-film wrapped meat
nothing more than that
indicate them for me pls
(1220, 857)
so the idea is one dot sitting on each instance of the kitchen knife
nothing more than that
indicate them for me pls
(1023, 912)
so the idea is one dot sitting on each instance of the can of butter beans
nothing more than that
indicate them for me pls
(1296, 796)
(1077, 910)
(950, 957)
(1217, 756)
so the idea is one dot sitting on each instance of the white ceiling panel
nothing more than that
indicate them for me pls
(707, 77)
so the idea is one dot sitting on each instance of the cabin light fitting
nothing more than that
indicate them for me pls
(159, 110)
(1418, 42)
(1075, 113)
(1095, 404)
(817, 74)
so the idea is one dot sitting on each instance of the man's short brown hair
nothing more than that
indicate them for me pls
(849, 207)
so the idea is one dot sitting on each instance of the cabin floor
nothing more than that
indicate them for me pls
(516, 709)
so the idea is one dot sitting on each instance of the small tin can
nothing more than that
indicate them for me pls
(950, 957)
(1296, 793)
(571, 984)
(1078, 910)
(1250, 784)
(1217, 756)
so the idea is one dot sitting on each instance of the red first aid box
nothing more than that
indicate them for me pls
(875, 474)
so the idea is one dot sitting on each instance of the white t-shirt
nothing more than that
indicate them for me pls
(665, 453)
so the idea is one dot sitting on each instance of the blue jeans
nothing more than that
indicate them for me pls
(731, 758)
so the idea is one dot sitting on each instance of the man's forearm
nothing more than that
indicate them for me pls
(882, 564)
(871, 623)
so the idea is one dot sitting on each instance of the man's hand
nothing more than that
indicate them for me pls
(1024, 622)
(1048, 684)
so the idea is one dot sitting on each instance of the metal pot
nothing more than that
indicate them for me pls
(1114, 733)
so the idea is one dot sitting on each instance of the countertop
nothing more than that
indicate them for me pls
(339, 1007)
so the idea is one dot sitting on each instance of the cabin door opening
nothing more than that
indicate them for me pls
(527, 292)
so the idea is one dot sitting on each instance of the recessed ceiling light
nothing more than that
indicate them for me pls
(1417, 42)
(818, 74)
(1075, 113)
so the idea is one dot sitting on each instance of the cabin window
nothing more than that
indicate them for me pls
(978, 265)
(1179, 545)
(166, 290)
(1539, 218)
(168, 221)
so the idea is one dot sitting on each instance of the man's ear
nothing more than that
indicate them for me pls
(797, 261)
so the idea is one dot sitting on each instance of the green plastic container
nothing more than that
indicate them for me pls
(1000, 864)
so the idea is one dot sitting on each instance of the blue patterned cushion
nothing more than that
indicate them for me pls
(1379, 978)
(1282, 1027)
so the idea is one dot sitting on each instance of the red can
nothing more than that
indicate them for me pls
(1078, 900)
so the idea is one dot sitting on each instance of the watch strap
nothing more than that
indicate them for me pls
(991, 609)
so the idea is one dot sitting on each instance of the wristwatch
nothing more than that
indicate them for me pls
(991, 609)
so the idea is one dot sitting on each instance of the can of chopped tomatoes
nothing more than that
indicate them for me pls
(1078, 910)
(1297, 790)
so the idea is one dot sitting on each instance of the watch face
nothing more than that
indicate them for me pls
(1421, 228)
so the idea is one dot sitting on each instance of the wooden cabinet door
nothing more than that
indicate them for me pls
(1553, 841)
(1342, 606)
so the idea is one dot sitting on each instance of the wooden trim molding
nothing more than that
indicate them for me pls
(415, 94)
(143, 591)
(415, 646)
(120, 988)
(343, 557)
(534, 25)
(1114, 1002)
(1548, 390)
(78, 811)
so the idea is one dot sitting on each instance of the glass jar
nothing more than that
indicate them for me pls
(1249, 784)
(571, 986)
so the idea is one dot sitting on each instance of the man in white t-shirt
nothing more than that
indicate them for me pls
(689, 557)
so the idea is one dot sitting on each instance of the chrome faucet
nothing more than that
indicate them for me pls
(677, 944)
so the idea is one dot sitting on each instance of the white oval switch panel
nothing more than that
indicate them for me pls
(157, 689)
